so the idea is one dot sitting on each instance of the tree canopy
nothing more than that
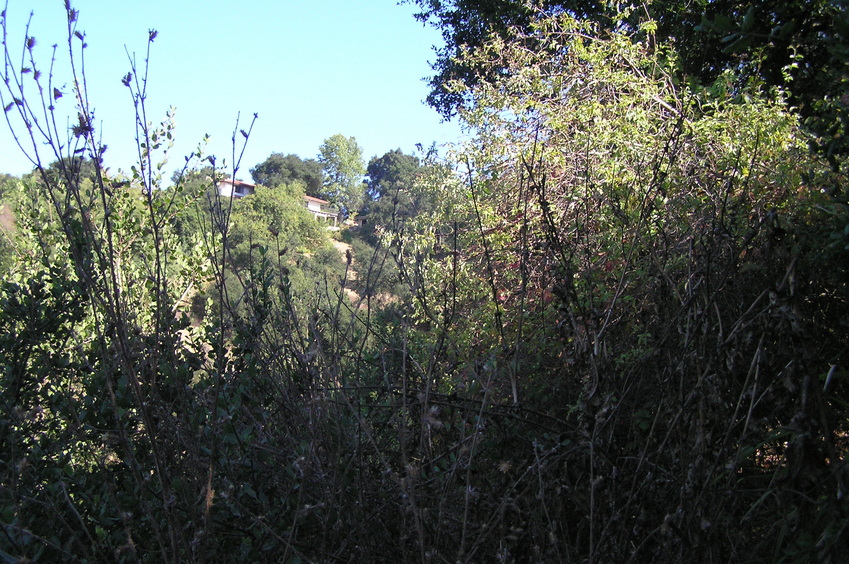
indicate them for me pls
(800, 46)
(398, 188)
(388, 173)
(280, 169)
(342, 161)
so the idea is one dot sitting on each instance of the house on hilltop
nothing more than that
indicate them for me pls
(235, 188)
(318, 208)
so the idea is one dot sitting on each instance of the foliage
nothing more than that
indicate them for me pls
(399, 187)
(799, 47)
(8, 202)
(655, 238)
(389, 172)
(280, 169)
(273, 215)
(342, 161)
(611, 328)
(274, 222)
(195, 197)
(7, 187)
(467, 23)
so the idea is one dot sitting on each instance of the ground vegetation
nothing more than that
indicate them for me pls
(611, 327)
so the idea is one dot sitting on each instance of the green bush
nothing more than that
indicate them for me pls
(618, 335)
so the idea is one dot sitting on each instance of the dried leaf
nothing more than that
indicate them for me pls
(83, 128)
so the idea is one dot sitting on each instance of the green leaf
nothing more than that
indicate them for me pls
(748, 19)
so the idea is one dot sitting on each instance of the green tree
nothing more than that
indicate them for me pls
(342, 160)
(8, 187)
(466, 24)
(273, 217)
(197, 211)
(280, 169)
(390, 172)
(799, 46)
(9, 196)
(70, 171)
(399, 187)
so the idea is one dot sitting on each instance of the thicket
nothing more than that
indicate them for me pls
(615, 332)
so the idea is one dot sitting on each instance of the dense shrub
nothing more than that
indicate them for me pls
(616, 332)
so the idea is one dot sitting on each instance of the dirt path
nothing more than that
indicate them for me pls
(344, 249)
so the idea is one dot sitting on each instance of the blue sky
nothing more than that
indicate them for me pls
(309, 68)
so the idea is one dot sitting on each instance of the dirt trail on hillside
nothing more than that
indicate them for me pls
(344, 249)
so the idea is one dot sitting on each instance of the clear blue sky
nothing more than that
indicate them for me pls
(309, 68)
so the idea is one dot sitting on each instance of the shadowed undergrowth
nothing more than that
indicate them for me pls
(614, 330)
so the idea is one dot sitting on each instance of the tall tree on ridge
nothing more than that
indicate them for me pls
(342, 160)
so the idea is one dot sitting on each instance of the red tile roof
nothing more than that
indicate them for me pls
(237, 182)
(316, 200)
